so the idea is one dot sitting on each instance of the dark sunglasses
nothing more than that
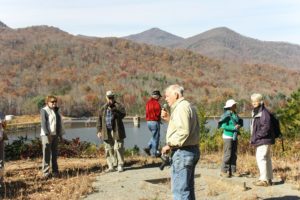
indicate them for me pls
(53, 101)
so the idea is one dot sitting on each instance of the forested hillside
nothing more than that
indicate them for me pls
(37, 61)
(2, 25)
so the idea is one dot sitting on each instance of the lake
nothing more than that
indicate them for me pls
(135, 135)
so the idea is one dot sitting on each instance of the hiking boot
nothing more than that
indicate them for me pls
(261, 183)
(270, 182)
(120, 168)
(55, 175)
(147, 151)
(236, 174)
(224, 174)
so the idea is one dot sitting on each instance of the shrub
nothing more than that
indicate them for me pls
(132, 152)
(22, 148)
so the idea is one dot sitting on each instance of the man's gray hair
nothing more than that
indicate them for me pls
(176, 89)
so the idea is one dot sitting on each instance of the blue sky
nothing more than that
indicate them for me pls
(269, 20)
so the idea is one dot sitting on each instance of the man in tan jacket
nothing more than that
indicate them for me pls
(182, 140)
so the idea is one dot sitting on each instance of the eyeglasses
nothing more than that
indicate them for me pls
(53, 101)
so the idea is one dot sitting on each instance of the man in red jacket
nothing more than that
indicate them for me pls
(153, 110)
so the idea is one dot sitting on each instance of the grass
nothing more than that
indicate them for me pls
(25, 119)
(23, 177)
(285, 167)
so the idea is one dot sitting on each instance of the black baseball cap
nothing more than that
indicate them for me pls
(156, 92)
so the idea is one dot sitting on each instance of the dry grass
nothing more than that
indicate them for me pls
(216, 187)
(25, 119)
(286, 168)
(23, 179)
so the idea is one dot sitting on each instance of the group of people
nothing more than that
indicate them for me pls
(182, 137)
(262, 137)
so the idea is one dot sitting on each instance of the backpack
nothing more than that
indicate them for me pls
(275, 126)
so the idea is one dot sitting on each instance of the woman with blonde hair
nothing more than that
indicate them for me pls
(51, 130)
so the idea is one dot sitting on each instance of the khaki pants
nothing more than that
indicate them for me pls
(114, 151)
(264, 162)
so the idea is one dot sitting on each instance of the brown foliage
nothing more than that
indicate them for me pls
(38, 61)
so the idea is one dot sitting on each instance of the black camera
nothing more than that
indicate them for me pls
(165, 161)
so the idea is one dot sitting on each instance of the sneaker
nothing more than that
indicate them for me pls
(46, 177)
(120, 168)
(147, 151)
(224, 174)
(157, 154)
(261, 183)
(110, 170)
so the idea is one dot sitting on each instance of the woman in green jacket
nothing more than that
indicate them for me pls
(230, 122)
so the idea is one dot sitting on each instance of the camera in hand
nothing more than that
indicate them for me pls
(165, 161)
(165, 107)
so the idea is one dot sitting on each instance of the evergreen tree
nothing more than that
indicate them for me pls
(290, 116)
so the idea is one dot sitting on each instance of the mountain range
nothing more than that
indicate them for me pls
(41, 60)
(156, 36)
(226, 45)
(2, 25)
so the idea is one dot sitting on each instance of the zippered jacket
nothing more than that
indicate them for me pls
(228, 122)
(118, 113)
(51, 122)
(261, 128)
(153, 110)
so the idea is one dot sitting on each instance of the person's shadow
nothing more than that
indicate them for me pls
(284, 198)
(278, 182)
(129, 166)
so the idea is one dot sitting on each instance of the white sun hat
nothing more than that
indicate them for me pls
(230, 103)
(110, 93)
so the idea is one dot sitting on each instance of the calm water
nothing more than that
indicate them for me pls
(135, 135)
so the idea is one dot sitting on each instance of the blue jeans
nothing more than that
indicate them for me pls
(183, 172)
(153, 144)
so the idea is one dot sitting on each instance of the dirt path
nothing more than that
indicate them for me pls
(149, 183)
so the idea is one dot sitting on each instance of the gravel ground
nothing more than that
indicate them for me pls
(137, 183)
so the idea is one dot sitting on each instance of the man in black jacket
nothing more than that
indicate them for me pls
(262, 138)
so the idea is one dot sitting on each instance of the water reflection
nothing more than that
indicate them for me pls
(135, 135)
